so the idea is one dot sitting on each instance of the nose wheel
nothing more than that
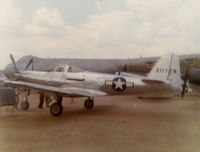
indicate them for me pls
(25, 105)
(89, 103)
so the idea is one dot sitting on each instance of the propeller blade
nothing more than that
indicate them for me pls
(29, 63)
(183, 89)
(14, 64)
(185, 79)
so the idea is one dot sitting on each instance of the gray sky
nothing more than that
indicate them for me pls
(98, 28)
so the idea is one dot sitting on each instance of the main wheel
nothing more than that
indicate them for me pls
(89, 104)
(56, 109)
(25, 105)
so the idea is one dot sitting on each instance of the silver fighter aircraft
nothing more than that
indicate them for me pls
(163, 80)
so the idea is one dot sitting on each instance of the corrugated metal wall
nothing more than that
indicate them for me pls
(7, 97)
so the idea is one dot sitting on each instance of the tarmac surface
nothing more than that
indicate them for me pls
(116, 124)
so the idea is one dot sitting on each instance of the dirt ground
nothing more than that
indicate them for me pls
(116, 124)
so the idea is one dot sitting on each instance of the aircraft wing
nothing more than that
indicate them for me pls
(67, 91)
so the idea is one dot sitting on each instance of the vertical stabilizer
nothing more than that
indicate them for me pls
(167, 69)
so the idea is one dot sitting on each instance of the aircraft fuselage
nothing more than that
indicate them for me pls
(111, 84)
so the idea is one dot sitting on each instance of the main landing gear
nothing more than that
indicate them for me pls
(89, 103)
(56, 108)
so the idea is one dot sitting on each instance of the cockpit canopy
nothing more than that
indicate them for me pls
(67, 68)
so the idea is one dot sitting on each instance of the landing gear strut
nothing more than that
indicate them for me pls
(24, 104)
(56, 109)
(89, 103)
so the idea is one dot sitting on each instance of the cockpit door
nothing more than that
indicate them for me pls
(58, 73)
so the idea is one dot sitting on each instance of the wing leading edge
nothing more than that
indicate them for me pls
(67, 91)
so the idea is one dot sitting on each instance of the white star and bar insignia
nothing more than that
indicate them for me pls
(119, 84)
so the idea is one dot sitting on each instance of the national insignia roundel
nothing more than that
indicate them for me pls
(119, 84)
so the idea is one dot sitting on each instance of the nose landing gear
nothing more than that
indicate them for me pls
(25, 104)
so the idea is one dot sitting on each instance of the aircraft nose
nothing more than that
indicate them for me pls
(9, 71)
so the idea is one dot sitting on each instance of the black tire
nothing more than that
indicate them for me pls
(56, 109)
(89, 104)
(25, 105)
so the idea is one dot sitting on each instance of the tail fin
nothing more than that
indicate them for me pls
(167, 69)
(14, 64)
